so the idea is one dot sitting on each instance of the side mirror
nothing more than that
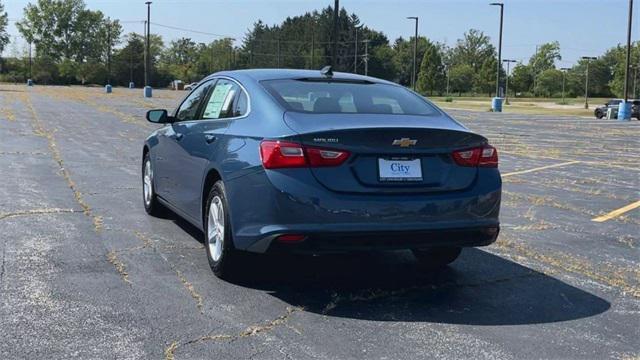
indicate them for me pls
(158, 116)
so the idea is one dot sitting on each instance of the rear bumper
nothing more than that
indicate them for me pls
(397, 240)
(264, 206)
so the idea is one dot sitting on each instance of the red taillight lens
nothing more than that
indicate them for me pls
(486, 156)
(282, 154)
(326, 157)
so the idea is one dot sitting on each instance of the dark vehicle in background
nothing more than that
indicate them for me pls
(601, 111)
(316, 162)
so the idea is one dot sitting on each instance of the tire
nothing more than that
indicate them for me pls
(149, 198)
(437, 257)
(599, 114)
(222, 256)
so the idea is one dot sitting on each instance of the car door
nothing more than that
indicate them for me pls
(169, 165)
(201, 139)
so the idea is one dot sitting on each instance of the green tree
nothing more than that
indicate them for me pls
(521, 79)
(474, 50)
(65, 29)
(403, 57)
(545, 57)
(549, 83)
(431, 76)
(461, 78)
(4, 36)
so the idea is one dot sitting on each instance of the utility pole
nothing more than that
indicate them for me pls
(108, 51)
(355, 54)
(624, 109)
(366, 57)
(564, 73)
(535, 70)
(499, 66)
(336, 10)
(635, 79)
(313, 49)
(506, 87)
(30, 62)
(278, 51)
(586, 81)
(447, 69)
(147, 72)
(415, 53)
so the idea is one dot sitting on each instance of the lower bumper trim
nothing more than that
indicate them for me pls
(393, 240)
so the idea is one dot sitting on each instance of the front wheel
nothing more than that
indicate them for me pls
(220, 251)
(437, 257)
(149, 198)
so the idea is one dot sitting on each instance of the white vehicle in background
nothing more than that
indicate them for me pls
(191, 86)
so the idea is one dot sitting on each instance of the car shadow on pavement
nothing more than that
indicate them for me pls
(478, 289)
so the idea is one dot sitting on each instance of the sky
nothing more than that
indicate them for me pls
(583, 27)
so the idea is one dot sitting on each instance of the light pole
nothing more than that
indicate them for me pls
(447, 67)
(624, 109)
(586, 81)
(355, 56)
(564, 73)
(415, 53)
(506, 87)
(147, 71)
(366, 57)
(497, 102)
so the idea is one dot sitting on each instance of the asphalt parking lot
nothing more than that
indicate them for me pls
(85, 273)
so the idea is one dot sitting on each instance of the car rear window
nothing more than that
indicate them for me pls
(339, 96)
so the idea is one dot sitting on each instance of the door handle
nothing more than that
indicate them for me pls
(209, 138)
(179, 136)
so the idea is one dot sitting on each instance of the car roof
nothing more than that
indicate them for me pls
(273, 74)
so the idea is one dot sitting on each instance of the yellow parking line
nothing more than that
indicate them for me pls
(616, 213)
(540, 168)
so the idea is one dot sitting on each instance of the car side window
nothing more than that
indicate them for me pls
(241, 105)
(189, 108)
(219, 105)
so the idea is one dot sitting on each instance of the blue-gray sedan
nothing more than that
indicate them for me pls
(315, 161)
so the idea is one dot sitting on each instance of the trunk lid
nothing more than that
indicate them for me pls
(378, 141)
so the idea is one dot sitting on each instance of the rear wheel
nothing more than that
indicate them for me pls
(220, 251)
(437, 257)
(599, 114)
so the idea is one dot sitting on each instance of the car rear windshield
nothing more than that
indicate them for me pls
(339, 96)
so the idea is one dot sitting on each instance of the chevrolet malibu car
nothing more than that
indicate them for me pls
(316, 162)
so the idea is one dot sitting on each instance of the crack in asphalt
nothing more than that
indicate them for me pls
(119, 265)
(252, 330)
(40, 130)
(36, 212)
(148, 243)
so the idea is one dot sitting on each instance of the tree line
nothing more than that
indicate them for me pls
(75, 45)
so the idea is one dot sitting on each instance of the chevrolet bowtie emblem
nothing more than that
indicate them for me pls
(404, 142)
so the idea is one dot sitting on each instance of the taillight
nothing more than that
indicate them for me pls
(486, 156)
(282, 154)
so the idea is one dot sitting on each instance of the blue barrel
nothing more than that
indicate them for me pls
(148, 92)
(132, 85)
(624, 111)
(496, 104)
(108, 89)
(29, 82)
